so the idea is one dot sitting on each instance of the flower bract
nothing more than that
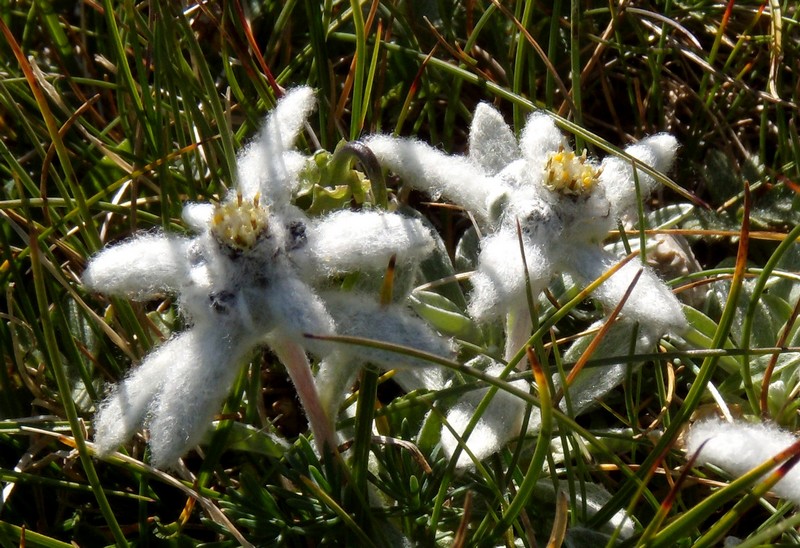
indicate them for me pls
(738, 447)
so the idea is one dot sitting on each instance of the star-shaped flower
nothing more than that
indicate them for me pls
(243, 280)
(564, 202)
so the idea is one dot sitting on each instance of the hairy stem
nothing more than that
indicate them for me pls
(294, 358)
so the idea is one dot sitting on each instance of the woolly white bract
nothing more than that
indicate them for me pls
(739, 447)
(243, 280)
(500, 422)
(347, 241)
(361, 316)
(565, 204)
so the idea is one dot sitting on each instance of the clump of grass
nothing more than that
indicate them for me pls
(113, 115)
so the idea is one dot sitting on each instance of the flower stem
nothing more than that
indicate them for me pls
(294, 358)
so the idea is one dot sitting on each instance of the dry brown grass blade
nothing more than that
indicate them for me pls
(211, 510)
(456, 52)
(754, 235)
(413, 89)
(559, 530)
(344, 95)
(776, 47)
(603, 330)
(669, 500)
(251, 41)
(543, 57)
(460, 538)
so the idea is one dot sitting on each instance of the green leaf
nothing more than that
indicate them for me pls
(701, 333)
(444, 315)
(244, 437)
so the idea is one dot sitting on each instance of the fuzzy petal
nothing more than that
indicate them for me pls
(124, 409)
(285, 122)
(425, 168)
(499, 281)
(657, 151)
(651, 303)
(347, 241)
(422, 378)
(499, 424)
(739, 447)
(362, 316)
(288, 308)
(592, 383)
(492, 144)
(205, 362)
(540, 137)
(267, 166)
(197, 216)
(338, 372)
(335, 377)
(140, 268)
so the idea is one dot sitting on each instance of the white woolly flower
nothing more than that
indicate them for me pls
(739, 447)
(236, 284)
(242, 281)
(565, 204)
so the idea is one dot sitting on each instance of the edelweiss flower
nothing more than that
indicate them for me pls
(244, 280)
(565, 204)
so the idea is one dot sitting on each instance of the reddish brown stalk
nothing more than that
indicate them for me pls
(543, 57)
(351, 74)
(666, 504)
(559, 530)
(413, 88)
(461, 536)
(787, 329)
(51, 152)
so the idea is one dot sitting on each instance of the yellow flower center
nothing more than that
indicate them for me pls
(569, 174)
(238, 224)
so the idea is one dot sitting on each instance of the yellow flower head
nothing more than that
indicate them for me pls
(569, 174)
(239, 224)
